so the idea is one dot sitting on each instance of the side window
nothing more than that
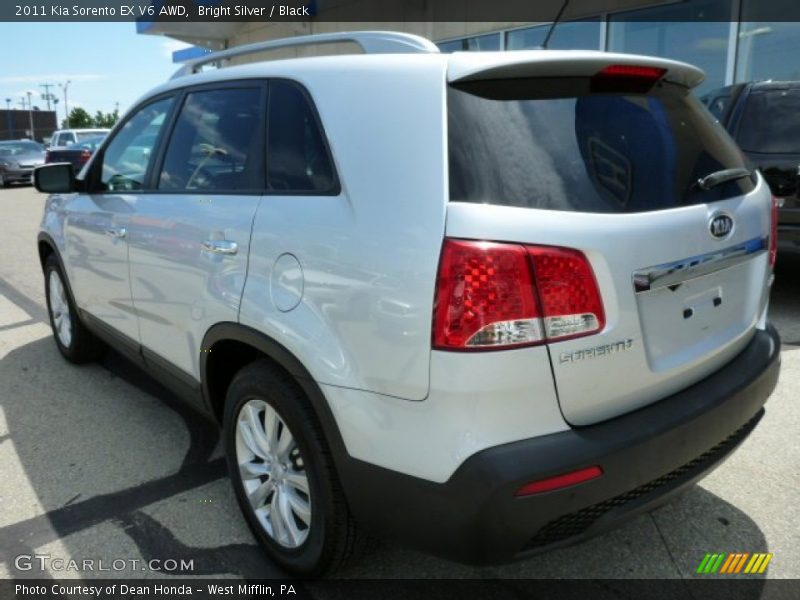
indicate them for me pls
(54, 141)
(297, 156)
(128, 155)
(215, 143)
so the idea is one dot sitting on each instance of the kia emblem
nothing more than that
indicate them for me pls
(720, 226)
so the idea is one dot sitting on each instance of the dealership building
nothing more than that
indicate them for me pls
(731, 40)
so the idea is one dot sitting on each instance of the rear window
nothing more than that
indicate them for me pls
(771, 122)
(552, 144)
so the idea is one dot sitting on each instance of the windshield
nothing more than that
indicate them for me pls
(771, 122)
(552, 144)
(84, 136)
(18, 148)
(91, 143)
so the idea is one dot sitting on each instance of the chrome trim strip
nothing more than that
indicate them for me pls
(675, 273)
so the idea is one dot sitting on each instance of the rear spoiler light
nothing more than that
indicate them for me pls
(626, 78)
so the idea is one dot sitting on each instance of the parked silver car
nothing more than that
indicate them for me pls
(484, 303)
(18, 159)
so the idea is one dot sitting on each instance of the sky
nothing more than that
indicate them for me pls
(106, 63)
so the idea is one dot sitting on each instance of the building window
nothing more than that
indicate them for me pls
(767, 50)
(489, 41)
(697, 33)
(570, 35)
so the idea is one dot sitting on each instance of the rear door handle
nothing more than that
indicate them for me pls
(221, 247)
(117, 232)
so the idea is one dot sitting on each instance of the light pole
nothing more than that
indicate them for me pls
(30, 115)
(64, 87)
(8, 118)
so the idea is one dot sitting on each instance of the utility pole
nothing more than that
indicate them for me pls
(64, 87)
(47, 95)
(8, 118)
(30, 115)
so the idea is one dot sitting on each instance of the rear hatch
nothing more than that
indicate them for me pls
(544, 151)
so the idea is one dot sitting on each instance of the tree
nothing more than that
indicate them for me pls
(106, 120)
(78, 119)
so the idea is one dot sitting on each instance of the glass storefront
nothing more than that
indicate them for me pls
(489, 41)
(696, 33)
(702, 32)
(572, 35)
(768, 50)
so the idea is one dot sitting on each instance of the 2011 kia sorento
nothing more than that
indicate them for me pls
(484, 303)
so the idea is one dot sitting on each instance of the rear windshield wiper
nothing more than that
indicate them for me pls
(718, 177)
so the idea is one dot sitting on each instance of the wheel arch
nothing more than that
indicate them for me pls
(227, 347)
(47, 246)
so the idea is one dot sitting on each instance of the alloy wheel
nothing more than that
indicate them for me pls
(273, 473)
(59, 309)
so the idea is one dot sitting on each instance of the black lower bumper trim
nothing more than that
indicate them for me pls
(578, 523)
(647, 456)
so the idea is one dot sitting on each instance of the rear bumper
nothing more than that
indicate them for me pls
(647, 456)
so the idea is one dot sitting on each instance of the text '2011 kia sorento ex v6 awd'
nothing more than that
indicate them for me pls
(483, 303)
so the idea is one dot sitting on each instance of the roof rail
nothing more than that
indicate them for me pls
(371, 42)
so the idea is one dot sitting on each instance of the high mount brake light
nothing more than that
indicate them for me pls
(626, 78)
(494, 295)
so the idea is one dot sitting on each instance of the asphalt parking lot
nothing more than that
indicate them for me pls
(97, 462)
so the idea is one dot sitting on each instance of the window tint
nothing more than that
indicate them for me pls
(610, 152)
(771, 121)
(215, 143)
(127, 157)
(297, 156)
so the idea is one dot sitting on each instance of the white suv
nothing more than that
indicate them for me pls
(484, 303)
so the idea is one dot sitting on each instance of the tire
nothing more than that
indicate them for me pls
(76, 343)
(262, 394)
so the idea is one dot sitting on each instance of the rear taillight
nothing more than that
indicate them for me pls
(47, 157)
(626, 78)
(773, 232)
(493, 295)
(85, 156)
(570, 300)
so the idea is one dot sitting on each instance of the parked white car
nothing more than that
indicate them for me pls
(484, 303)
(63, 138)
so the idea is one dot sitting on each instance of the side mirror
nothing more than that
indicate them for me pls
(57, 178)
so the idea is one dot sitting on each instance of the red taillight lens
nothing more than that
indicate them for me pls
(626, 78)
(85, 156)
(640, 72)
(570, 299)
(560, 481)
(484, 297)
(492, 296)
(773, 233)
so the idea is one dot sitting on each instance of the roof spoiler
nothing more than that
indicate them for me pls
(561, 63)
